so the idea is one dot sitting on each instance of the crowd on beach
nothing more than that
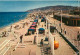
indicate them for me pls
(23, 23)
(33, 15)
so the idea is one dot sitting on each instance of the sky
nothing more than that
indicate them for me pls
(39, 0)
(18, 6)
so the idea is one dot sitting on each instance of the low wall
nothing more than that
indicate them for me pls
(72, 46)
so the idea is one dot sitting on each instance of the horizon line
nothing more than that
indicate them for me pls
(34, 1)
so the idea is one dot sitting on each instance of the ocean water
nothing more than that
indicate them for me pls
(7, 18)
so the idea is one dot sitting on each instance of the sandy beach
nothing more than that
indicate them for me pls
(27, 47)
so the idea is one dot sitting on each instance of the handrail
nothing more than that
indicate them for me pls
(52, 42)
(5, 47)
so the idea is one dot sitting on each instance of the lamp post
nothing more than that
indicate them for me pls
(46, 29)
(78, 41)
(37, 34)
(61, 18)
(78, 5)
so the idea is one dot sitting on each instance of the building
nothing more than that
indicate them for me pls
(70, 20)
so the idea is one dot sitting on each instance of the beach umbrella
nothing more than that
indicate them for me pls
(34, 22)
(32, 28)
(41, 29)
(36, 19)
(33, 25)
(42, 20)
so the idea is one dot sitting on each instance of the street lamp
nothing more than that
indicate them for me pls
(78, 5)
(61, 18)
(37, 34)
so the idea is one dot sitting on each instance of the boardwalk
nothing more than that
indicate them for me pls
(64, 48)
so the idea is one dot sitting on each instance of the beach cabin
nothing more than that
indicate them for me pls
(70, 20)
(52, 28)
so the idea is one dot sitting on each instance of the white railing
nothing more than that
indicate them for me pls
(71, 35)
(4, 47)
(16, 46)
(3, 43)
(51, 38)
(51, 42)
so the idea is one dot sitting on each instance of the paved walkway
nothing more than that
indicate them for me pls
(26, 47)
(71, 32)
(64, 48)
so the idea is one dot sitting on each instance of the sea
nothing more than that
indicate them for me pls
(8, 14)
(8, 18)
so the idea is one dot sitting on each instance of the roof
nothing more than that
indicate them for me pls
(69, 16)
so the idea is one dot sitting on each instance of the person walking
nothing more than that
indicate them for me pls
(21, 37)
(78, 36)
(15, 35)
(41, 43)
(11, 28)
(34, 39)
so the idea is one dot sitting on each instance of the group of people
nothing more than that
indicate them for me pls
(41, 42)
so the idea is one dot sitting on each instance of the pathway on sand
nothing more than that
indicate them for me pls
(64, 48)
(24, 48)
(28, 48)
